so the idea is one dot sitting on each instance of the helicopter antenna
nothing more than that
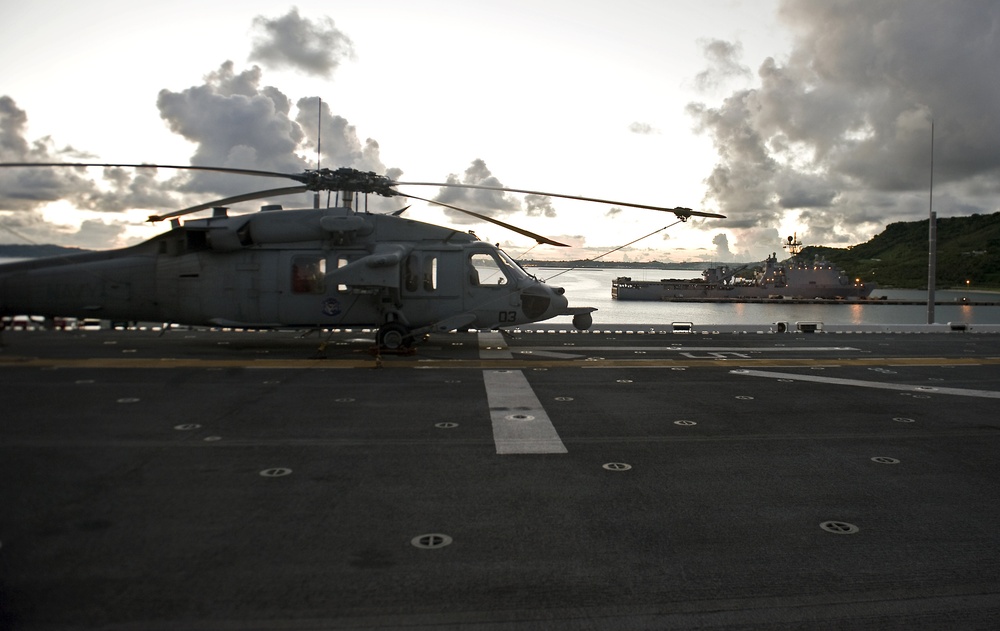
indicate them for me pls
(319, 143)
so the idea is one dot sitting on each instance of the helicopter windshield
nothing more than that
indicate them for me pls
(514, 269)
(493, 269)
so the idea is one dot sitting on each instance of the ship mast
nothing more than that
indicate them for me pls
(793, 245)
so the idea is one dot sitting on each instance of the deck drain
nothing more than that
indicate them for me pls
(885, 460)
(128, 400)
(902, 419)
(624, 381)
(431, 541)
(344, 400)
(744, 397)
(617, 466)
(678, 368)
(275, 472)
(564, 398)
(211, 439)
(839, 527)
(786, 380)
(685, 423)
(271, 382)
(83, 381)
(446, 425)
(453, 381)
(187, 427)
(519, 417)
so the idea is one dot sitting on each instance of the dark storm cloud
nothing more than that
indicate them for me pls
(841, 129)
(291, 41)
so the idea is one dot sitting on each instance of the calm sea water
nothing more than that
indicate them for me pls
(592, 288)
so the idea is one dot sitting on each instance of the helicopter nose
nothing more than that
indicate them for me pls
(540, 302)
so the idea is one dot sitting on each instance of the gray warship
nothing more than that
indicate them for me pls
(793, 278)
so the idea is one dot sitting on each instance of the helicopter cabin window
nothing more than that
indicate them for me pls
(484, 271)
(420, 272)
(342, 262)
(307, 274)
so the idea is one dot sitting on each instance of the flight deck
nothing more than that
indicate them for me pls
(630, 479)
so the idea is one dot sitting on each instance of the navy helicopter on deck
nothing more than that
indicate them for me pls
(311, 268)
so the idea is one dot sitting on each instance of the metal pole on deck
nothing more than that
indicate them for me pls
(932, 241)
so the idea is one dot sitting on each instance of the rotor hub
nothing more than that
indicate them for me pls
(348, 179)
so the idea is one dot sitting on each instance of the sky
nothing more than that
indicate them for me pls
(806, 117)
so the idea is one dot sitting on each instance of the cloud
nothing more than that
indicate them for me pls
(724, 64)
(340, 142)
(485, 202)
(291, 41)
(643, 129)
(721, 243)
(23, 189)
(842, 127)
(232, 119)
(234, 122)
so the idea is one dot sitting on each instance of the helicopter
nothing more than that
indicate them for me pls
(313, 268)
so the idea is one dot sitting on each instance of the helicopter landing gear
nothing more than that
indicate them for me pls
(393, 336)
(582, 321)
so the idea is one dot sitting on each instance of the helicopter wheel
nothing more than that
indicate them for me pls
(583, 321)
(394, 336)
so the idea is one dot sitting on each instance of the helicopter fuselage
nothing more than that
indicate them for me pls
(329, 267)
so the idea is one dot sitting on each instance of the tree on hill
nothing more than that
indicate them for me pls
(968, 249)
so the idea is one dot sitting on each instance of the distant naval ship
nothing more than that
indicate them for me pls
(790, 279)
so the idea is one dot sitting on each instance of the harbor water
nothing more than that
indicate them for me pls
(591, 287)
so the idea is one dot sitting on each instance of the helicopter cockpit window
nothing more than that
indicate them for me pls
(513, 269)
(308, 273)
(485, 271)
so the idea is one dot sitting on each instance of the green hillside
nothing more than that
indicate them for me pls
(968, 249)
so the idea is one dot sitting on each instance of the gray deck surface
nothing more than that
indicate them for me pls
(643, 481)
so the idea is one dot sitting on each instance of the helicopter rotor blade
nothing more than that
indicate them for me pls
(149, 166)
(682, 213)
(537, 237)
(274, 192)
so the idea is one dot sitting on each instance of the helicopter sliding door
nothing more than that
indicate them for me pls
(431, 288)
(309, 297)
